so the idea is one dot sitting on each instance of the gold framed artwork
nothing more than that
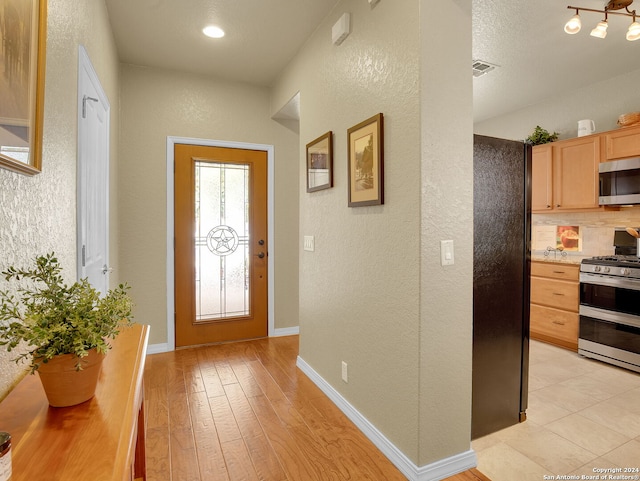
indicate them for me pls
(365, 153)
(320, 163)
(23, 24)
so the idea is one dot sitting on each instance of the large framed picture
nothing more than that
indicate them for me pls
(320, 163)
(365, 149)
(23, 25)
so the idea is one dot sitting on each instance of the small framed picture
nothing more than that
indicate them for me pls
(320, 163)
(365, 149)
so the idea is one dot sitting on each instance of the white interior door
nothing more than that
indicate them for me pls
(93, 176)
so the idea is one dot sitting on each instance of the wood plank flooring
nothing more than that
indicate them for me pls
(244, 411)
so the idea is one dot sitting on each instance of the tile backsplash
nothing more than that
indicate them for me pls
(596, 227)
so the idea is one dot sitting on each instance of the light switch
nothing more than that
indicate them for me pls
(446, 252)
(309, 243)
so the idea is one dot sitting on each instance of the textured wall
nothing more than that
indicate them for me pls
(156, 104)
(38, 214)
(446, 315)
(373, 293)
(359, 290)
(603, 102)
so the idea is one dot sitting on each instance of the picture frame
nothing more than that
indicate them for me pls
(365, 154)
(23, 53)
(320, 163)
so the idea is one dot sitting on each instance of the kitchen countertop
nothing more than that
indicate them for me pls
(557, 259)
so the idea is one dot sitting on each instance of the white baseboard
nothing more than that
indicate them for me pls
(286, 331)
(447, 467)
(431, 472)
(158, 348)
(164, 347)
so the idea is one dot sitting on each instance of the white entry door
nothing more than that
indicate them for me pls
(93, 176)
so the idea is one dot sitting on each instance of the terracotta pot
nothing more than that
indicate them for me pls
(63, 385)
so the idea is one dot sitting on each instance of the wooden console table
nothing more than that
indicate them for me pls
(102, 439)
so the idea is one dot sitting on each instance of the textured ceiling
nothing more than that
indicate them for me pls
(525, 38)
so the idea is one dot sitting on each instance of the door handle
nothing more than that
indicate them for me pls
(260, 255)
(106, 269)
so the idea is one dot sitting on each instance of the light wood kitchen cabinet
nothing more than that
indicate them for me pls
(555, 291)
(575, 173)
(541, 178)
(565, 175)
(622, 144)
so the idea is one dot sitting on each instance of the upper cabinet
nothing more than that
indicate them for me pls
(565, 175)
(541, 178)
(575, 173)
(621, 144)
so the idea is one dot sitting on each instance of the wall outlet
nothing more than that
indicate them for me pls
(345, 373)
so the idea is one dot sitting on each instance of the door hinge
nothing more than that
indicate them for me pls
(84, 256)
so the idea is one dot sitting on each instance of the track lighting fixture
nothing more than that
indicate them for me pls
(574, 24)
(634, 31)
(601, 29)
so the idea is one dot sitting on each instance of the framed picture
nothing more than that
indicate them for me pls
(23, 25)
(320, 163)
(365, 149)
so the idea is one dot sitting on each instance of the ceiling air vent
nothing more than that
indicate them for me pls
(480, 67)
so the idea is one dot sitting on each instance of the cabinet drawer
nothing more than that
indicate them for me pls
(554, 293)
(567, 272)
(553, 323)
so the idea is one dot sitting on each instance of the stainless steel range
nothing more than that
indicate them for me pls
(610, 310)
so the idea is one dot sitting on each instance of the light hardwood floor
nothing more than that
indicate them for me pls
(243, 411)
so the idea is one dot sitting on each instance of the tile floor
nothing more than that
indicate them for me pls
(582, 415)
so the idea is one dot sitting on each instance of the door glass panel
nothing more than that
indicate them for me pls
(222, 240)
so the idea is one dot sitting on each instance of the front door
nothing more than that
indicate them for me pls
(221, 289)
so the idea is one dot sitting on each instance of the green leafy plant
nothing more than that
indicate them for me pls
(541, 136)
(54, 318)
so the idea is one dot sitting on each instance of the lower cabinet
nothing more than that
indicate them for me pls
(555, 291)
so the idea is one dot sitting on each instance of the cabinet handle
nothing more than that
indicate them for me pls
(558, 323)
(557, 205)
(548, 206)
(558, 294)
(558, 272)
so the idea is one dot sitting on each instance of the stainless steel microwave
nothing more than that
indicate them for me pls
(620, 182)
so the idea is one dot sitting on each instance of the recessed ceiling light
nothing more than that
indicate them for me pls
(213, 31)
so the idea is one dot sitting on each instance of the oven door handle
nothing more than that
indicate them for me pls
(611, 316)
(600, 280)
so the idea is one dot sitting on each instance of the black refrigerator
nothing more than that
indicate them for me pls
(501, 269)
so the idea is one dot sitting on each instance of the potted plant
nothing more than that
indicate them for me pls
(541, 136)
(65, 328)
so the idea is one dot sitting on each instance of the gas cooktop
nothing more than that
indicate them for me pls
(616, 260)
(615, 266)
